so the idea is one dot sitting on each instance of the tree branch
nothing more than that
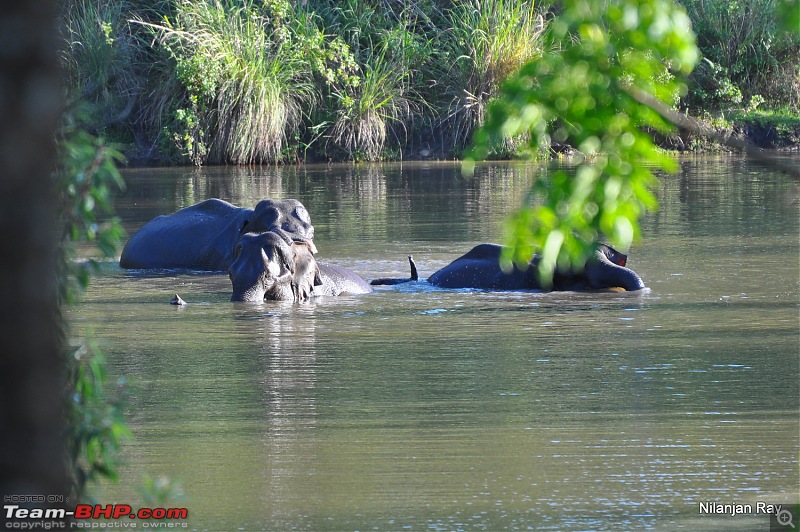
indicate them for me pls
(683, 121)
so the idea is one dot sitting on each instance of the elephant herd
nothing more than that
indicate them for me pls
(269, 254)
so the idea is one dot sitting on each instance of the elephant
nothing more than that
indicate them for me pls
(204, 236)
(480, 268)
(265, 266)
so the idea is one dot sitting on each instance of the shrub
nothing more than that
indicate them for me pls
(365, 112)
(746, 53)
(380, 100)
(245, 82)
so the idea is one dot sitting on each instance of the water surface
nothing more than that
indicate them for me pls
(415, 408)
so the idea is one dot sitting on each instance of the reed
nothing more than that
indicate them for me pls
(486, 41)
(246, 85)
(96, 55)
(365, 114)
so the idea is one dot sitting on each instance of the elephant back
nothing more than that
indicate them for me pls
(199, 237)
(340, 281)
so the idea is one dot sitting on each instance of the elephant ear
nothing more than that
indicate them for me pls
(619, 259)
(612, 255)
(279, 255)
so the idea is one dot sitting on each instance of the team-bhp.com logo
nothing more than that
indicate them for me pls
(92, 511)
(118, 511)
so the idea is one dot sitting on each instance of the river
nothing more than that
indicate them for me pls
(415, 408)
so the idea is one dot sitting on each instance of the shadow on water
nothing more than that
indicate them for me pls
(420, 408)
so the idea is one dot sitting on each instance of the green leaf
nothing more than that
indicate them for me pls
(582, 93)
(789, 15)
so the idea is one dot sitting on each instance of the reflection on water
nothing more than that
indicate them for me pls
(421, 408)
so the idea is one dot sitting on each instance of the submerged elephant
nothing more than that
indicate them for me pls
(265, 266)
(480, 268)
(204, 236)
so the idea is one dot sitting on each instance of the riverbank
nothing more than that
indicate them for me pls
(256, 81)
(768, 131)
(764, 130)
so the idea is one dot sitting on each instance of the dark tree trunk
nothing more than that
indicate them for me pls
(31, 343)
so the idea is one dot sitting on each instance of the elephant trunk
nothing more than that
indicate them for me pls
(253, 294)
(279, 289)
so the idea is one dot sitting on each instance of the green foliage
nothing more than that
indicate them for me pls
(98, 52)
(85, 177)
(258, 81)
(330, 57)
(187, 132)
(249, 81)
(606, 58)
(712, 88)
(777, 128)
(95, 417)
(246, 80)
(746, 52)
(788, 15)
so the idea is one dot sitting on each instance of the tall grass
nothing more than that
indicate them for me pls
(366, 113)
(246, 86)
(250, 81)
(378, 107)
(487, 41)
(98, 53)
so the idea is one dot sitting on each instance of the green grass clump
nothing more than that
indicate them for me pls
(270, 81)
(365, 113)
(98, 54)
(378, 105)
(245, 85)
(485, 43)
(769, 128)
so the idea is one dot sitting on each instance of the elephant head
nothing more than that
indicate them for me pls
(263, 268)
(267, 267)
(607, 269)
(288, 218)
